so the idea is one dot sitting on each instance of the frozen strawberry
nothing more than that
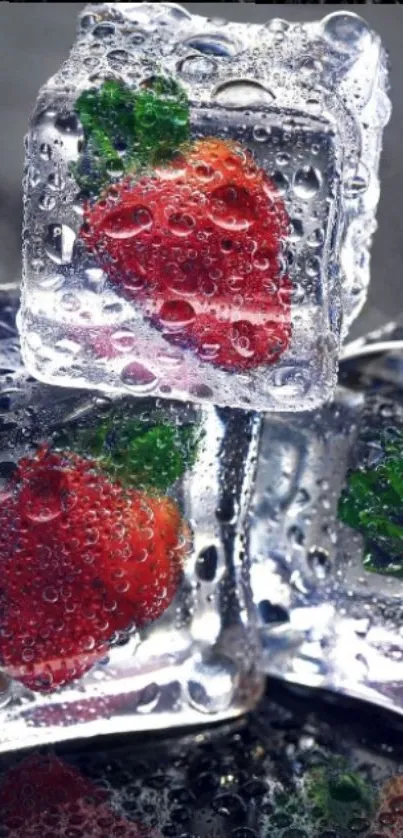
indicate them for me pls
(81, 558)
(42, 797)
(197, 244)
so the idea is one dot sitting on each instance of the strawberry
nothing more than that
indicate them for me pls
(43, 796)
(196, 243)
(81, 558)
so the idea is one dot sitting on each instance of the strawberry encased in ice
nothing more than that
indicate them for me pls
(81, 558)
(197, 245)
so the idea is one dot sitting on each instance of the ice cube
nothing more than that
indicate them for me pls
(199, 203)
(125, 601)
(326, 544)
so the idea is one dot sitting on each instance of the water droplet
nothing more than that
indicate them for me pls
(55, 181)
(123, 340)
(319, 562)
(117, 58)
(260, 134)
(45, 151)
(70, 302)
(148, 698)
(128, 222)
(181, 224)
(211, 684)
(104, 31)
(297, 230)
(296, 536)
(137, 37)
(242, 93)
(59, 243)
(316, 238)
(201, 391)
(47, 202)
(281, 182)
(175, 315)
(138, 377)
(212, 44)
(293, 381)
(232, 208)
(67, 123)
(347, 31)
(282, 158)
(87, 21)
(277, 25)
(206, 564)
(307, 182)
(197, 67)
(312, 266)
(358, 183)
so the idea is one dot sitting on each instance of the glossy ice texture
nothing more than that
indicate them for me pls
(199, 205)
(125, 601)
(326, 543)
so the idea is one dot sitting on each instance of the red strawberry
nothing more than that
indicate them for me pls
(43, 797)
(197, 245)
(80, 559)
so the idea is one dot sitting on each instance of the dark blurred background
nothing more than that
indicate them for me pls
(34, 40)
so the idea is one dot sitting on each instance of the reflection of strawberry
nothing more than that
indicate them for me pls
(43, 797)
(197, 246)
(389, 817)
(80, 559)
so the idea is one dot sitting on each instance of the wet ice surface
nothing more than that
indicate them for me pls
(308, 103)
(326, 542)
(296, 769)
(125, 596)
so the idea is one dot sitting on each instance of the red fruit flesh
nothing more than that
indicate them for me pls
(43, 797)
(80, 559)
(197, 246)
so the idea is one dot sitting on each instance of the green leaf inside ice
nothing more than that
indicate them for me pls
(128, 129)
(138, 454)
(372, 504)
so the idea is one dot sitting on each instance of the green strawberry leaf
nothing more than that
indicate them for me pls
(127, 130)
(138, 454)
(339, 794)
(372, 504)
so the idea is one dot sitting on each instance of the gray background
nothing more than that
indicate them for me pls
(34, 40)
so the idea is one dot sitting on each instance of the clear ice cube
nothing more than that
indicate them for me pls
(125, 601)
(200, 198)
(326, 544)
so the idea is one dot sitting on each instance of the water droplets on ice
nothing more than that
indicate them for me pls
(59, 243)
(242, 93)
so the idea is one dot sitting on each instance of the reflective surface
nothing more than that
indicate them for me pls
(125, 600)
(297, 768)
(326, 538)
